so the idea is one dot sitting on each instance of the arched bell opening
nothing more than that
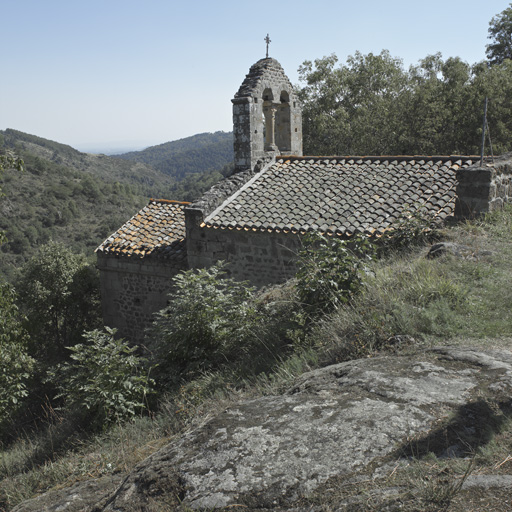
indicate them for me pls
(266, 116)
(269, 120)
(268, 95)
(283, 130)
(264, 128)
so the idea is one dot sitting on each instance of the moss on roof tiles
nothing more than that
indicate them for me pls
(156, 230)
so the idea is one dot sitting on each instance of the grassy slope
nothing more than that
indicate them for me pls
(443, 301)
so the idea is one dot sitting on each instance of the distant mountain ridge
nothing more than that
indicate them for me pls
(200, 153)
(101, 166)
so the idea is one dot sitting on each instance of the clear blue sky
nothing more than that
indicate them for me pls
(126, 73)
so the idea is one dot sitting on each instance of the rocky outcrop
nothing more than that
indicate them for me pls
(336, 422)
(77, 498)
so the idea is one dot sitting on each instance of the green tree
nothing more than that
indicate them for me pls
(352, 108)
(16, 366)
(8, 160)
(495, 83)
(438, 118)
(324, 116)
(59, 293)
(376, 85)
(500, 32)
(370, 105)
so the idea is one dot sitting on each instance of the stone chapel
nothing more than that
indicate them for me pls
(255, 218)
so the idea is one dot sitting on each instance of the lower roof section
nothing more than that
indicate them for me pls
(157, 230)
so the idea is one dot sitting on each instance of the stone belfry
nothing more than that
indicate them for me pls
(267, 116)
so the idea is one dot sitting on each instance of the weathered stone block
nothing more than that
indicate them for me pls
(496, 204)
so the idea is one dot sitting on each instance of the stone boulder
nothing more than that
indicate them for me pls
(348, 422)
(458, 250)
(269, 452)
(77, 498)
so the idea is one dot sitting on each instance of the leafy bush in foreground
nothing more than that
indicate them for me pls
(16, 365)
(105, 377)
(331, 271)
(208, 322)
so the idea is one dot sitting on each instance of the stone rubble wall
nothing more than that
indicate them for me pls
(247, 132)
(132, 290)
(262, 258)
(484, 189)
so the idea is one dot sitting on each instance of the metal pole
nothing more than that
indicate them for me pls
(483, 134)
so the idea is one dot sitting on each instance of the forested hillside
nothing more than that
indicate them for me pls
(197, 154)
(78, 198)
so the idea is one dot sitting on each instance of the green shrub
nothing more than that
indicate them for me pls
(105, 377)
(412, 228)
(209, 322)
(331, 271)
(59, 294)
(16, 365)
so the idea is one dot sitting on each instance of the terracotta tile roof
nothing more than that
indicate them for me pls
(156, 230)
(341, 195)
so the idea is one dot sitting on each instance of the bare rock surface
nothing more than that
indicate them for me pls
(334, 423)
(269, 452)
(488, 481)
(457, 250)
(76, 498)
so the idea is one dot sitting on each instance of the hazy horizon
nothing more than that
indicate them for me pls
(97, 74)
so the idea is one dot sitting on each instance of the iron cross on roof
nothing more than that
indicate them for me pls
(267, 40)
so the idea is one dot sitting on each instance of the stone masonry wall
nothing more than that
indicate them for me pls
(258, 257)
(132, 290)
(261, 258)
(247, 133)
(483, 189)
